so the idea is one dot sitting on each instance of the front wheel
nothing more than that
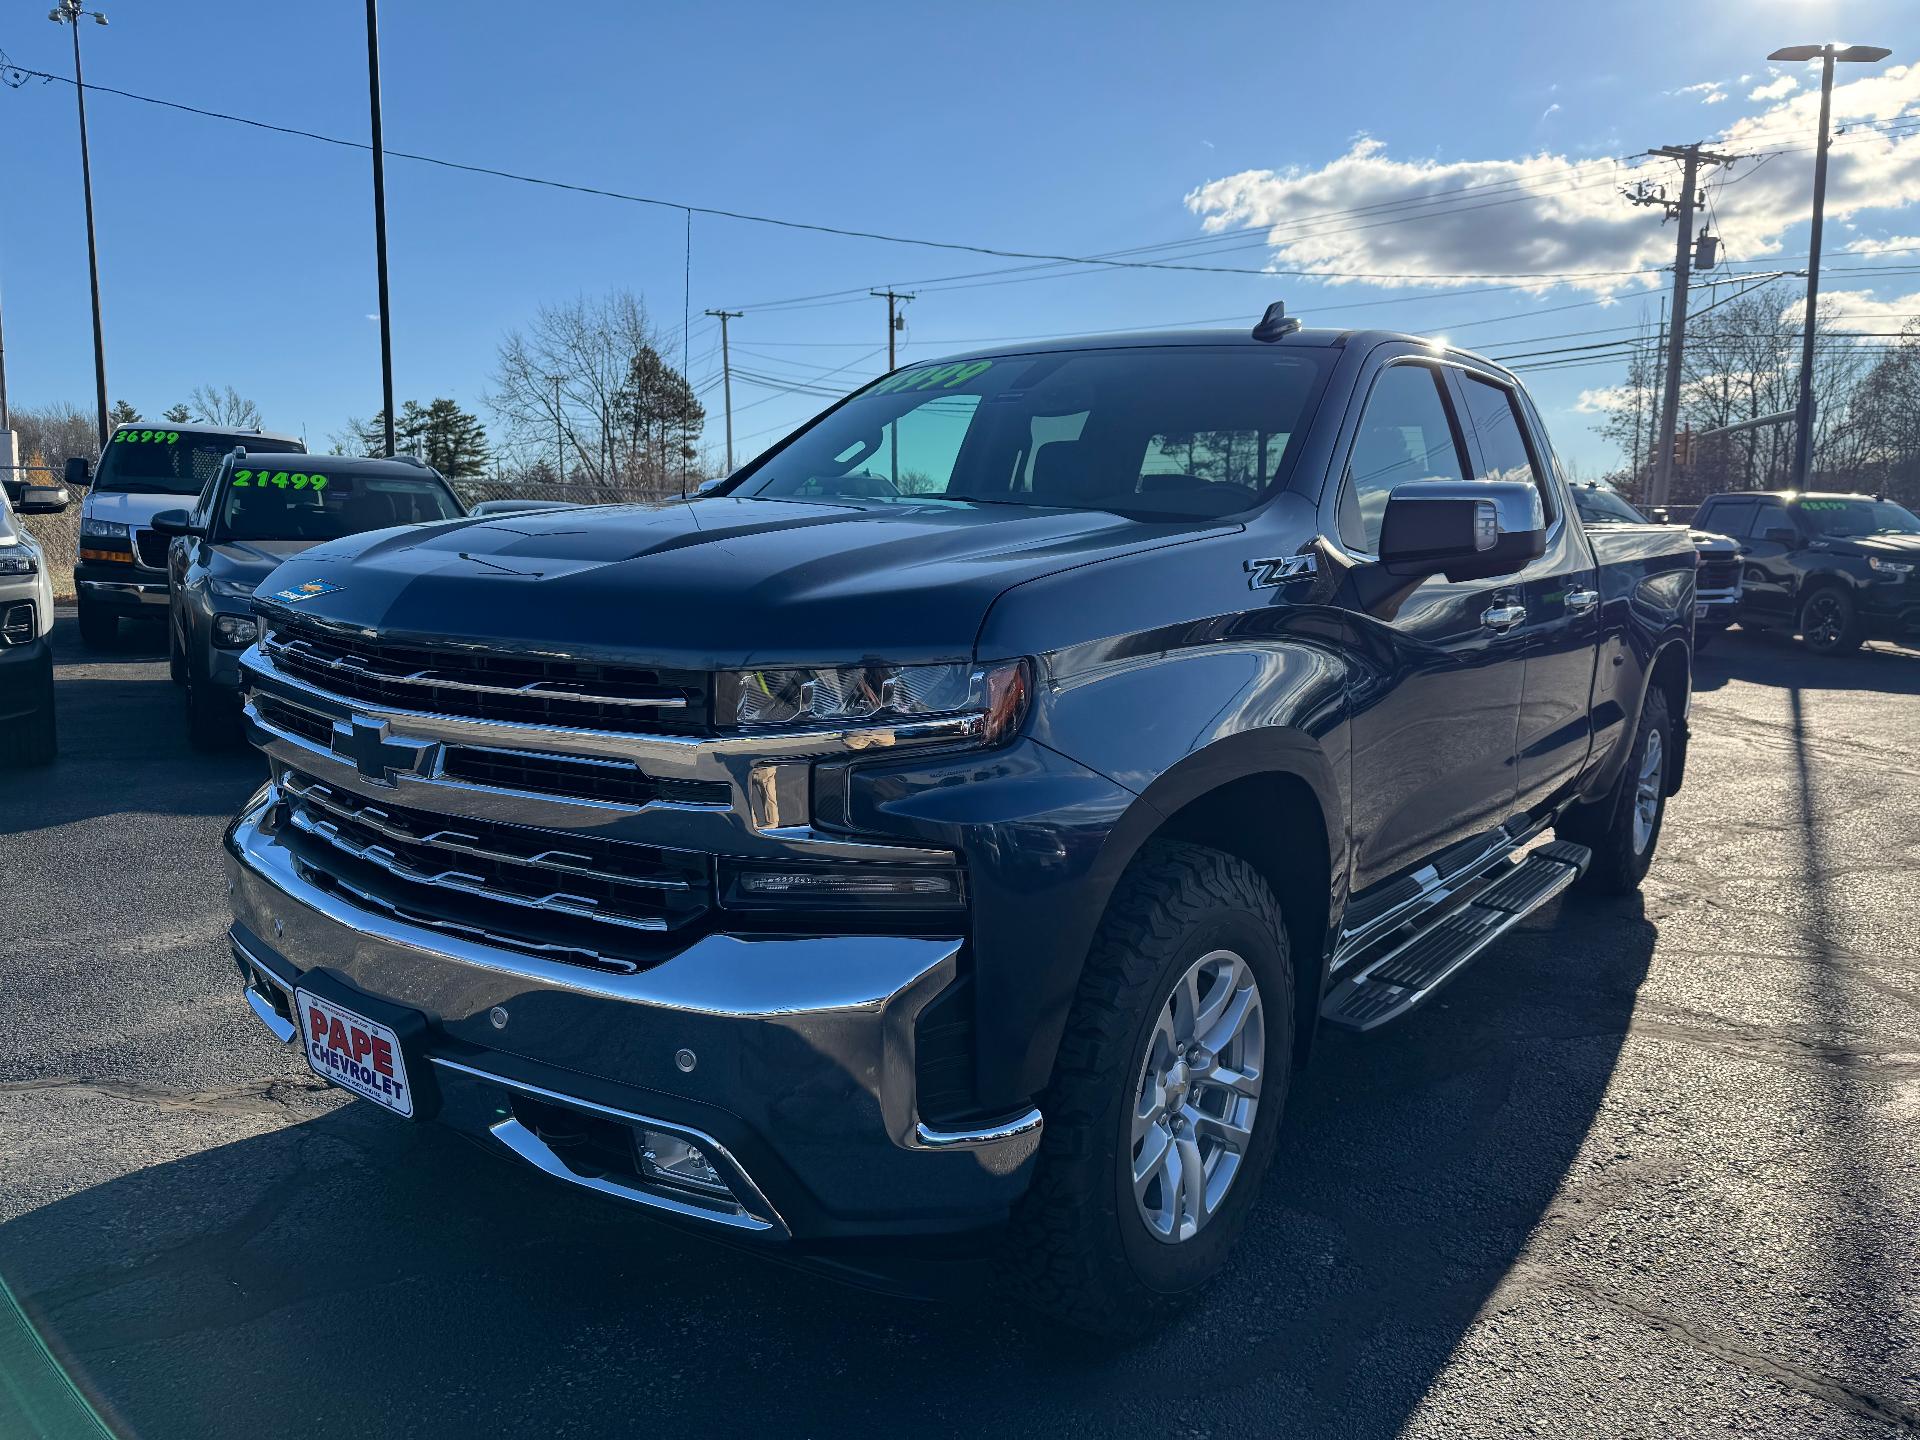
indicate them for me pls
(176, 656)
(1624, 830)
(213, 717)
(32, 738)
(1830, 622)
(1166, 1098)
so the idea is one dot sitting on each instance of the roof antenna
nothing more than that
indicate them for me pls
(1276, 324)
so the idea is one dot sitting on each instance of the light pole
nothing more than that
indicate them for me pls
(380, 216)
(68, 12)
(1827, 54)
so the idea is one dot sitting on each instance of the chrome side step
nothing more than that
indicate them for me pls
(1425, 953)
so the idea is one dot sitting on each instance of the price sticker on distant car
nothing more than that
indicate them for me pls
(354, 1052)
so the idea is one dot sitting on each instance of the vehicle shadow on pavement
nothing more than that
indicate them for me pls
(1770, 657)
(395, 1279)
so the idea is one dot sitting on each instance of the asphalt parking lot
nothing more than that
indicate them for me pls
(1648, 1167)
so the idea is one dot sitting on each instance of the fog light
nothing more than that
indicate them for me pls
(672, 1161)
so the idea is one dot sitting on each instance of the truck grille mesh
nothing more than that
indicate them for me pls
(606, 903)
(486, 685)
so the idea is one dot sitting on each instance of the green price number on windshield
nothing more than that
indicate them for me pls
(936, 377)
(151, 437)
(1824, 504)
(260, 479)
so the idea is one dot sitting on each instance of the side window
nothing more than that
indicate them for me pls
(1731, 518)
(1407, 433)
(1505, 451)
(1770, 515)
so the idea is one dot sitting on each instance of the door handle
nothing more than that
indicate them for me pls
(1579, 602)
(1503, 617)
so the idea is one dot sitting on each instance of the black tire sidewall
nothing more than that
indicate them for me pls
(1849, 625)
(1177, 1269)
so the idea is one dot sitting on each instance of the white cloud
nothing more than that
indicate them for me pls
(1607, 399)
(1859, 310)
(1552, 109)
(1777, 89)
(1709, 91)
(1893, 244)
(1366, 214)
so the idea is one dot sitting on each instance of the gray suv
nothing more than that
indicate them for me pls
(252, 515)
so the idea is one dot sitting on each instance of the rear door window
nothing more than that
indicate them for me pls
(1731, 518)
(1506, 452)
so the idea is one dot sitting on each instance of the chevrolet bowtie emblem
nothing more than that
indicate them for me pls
(371, 749)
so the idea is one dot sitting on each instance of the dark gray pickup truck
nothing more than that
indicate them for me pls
(958, 824)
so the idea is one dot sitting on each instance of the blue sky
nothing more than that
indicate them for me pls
(234, 256)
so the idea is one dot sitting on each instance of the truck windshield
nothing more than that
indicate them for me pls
(283, 505)
(1176, 432)
(1858, 517)
(1603, 507)
(172, 461)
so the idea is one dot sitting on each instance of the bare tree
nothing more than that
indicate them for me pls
(223, 407)
(585, 383)
(54, 433)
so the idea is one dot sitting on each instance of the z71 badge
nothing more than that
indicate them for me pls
(296, 593)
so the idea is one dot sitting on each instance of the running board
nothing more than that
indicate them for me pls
(1430, 950)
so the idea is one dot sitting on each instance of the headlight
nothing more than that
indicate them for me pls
(17, 564)
(231, 589)
(861, 694)
(92, 529)
(235, 632)
(1892, 569)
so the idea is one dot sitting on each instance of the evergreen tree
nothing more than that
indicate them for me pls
(123, 414)
(176, 415)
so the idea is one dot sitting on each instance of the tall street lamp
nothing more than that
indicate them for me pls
(68, 12)
(1827, 54)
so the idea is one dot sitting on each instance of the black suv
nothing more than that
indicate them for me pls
(1837, 568)
(963, 819)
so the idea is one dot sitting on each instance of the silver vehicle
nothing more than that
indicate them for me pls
(252, 515)
(27, 732)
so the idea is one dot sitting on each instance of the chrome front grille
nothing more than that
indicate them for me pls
(1718, 574)
(607, 903)
(490, 685)
(575, 777)
(151, 547)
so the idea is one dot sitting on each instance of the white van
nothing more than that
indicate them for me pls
(121, 569)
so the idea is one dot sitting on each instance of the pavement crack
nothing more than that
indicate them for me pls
(274, 1095)
(1813, 1383)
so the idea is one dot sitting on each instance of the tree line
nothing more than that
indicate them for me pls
(1742, 362)
(585, 405)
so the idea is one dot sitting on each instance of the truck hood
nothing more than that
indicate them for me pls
(1708, 543)
(707, 584)
(253, 559)
(1904, 548)
(134, 510)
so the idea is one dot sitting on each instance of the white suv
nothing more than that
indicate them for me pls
(26, 615)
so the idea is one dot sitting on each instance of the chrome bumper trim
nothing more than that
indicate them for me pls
(277, 1025)
(145, 593)
(754, 1213)
(926, 1137)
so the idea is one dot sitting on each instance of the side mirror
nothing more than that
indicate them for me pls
(707, 487)
(1781, 535)
(42, 499)
(1661, 515)
(1469, 531)
(78, 471)
(174, 522)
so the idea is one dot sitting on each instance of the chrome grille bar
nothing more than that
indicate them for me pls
(319, 796)
(427, 679)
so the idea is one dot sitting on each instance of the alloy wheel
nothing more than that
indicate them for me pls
(1646, 793)
(1197, 1094)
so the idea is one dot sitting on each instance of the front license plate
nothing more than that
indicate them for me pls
(354, 1052)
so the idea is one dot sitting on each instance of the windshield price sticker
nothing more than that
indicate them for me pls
(934, 377)
(259, 479)
(1825, 504)
(153, 437)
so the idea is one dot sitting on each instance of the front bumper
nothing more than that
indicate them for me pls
(123, 589)
(1893, 613)
(1716, 607)
(801, 1086)
(26, 674)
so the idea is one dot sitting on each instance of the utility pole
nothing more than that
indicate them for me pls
(379, 218)
(1803, 426)
(559, 435)
(1691, 157)
(726, 375)
(895, 321)
(68, 12)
